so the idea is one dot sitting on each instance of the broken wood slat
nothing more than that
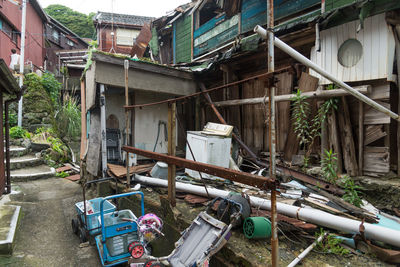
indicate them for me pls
(380, 92)
(119, 171)
(284, 86)
(64, 168)
(308, 83)
(356, 211)
(372, 116)
(376, 160)
(292, 144)
(75, 177)
(315, 204)
(348, 147)
(334, 141)
(373, 133)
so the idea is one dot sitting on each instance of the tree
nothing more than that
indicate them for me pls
(79, 23)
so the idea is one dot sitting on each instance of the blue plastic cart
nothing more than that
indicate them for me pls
(88, 223)
(120, 236)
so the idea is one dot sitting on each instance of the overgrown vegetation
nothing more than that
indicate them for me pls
(79, 23)
(62, 174)
(329, 173)
(331, 244)
(329, 166)
(308, 130)
(18, 132)
(352, 191)
(68, 118)
(52, 87)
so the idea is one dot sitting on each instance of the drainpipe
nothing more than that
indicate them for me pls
(21, 60)
(302, 59)
(311, 215)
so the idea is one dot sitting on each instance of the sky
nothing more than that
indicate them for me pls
(150, 8)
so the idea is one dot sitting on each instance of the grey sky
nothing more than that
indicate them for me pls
(151, 8)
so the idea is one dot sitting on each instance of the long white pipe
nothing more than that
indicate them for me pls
(310, 215)
(302, 59)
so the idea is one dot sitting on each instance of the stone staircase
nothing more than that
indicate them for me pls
(27, 166)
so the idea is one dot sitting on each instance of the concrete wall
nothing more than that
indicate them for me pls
(146, 119)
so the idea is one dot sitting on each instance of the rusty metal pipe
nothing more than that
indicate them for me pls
(237, 176)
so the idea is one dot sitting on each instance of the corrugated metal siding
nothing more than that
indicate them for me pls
(378, 51)
(183, 39)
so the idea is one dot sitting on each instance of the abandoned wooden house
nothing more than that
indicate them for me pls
(352, 41)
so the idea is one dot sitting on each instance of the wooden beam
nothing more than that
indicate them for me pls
(279, 98)
(360, 137)
(171, 152)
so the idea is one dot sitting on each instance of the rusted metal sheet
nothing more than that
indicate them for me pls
(142, 41)
(237, 176)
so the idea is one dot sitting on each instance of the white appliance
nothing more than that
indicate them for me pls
(210, 149)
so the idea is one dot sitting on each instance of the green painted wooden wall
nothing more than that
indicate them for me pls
(183, 39)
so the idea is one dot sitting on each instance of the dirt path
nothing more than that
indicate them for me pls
(44, 237)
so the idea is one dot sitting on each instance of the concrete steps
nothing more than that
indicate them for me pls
(17, 151)
(32, 173)
(25, 162)
(9, 215)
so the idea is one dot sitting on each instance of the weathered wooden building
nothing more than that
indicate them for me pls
(116, 33)
(353, 40)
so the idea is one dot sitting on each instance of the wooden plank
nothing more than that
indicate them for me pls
(308, 83)
(83, 121)
(376, 160)
(373, 116)
(292, 144)
(119, 171)
(373, 133)
(380, 92)
(171, 152)
(348, 147)
(360, 136)
(284, 86)
(334, 140)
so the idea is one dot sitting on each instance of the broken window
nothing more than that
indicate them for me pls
(208, 10)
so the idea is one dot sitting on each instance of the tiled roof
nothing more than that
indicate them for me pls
(121, 18)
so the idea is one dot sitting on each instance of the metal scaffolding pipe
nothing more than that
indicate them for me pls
(311, 215)
(302, 59)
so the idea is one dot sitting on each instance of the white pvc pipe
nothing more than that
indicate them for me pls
(372, 231)
(302, 59)
(306, 251)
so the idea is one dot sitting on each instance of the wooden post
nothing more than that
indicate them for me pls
(360, 137)
(171, 152)
(83, 120)
(126, 68)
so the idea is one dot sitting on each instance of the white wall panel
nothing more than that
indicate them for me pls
(378, 51)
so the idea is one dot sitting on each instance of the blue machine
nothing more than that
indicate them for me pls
(120, 236)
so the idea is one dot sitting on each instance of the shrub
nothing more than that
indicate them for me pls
(52, 87)
(17, 132)
(68, 118)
